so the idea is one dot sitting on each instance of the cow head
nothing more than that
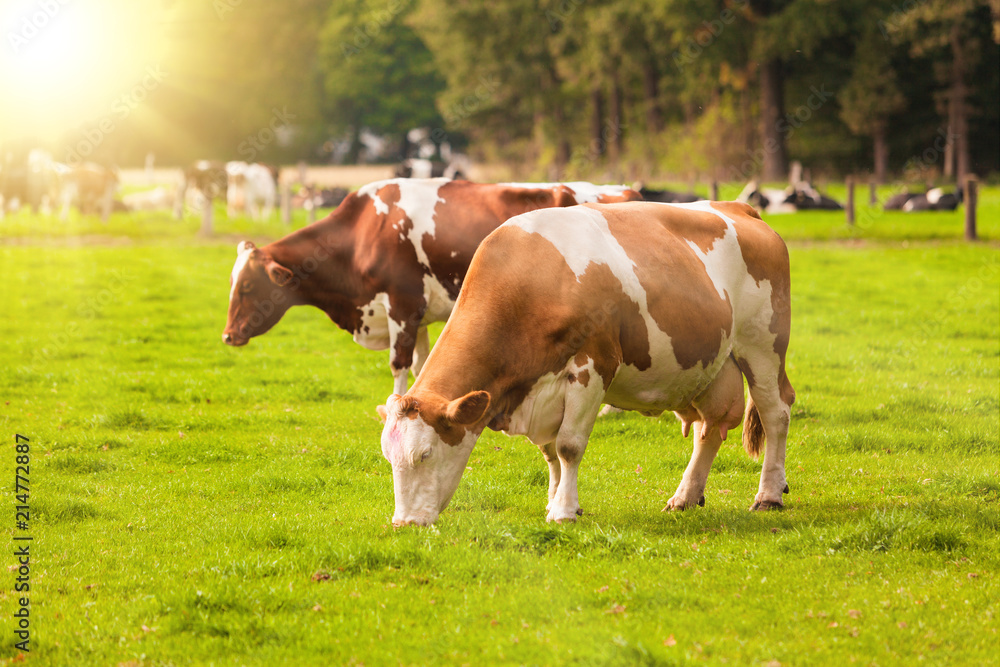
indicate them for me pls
(260, 293)
(428, 441)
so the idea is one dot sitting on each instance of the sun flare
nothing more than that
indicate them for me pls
(64, 63)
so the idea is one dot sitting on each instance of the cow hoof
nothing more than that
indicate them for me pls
(762, 505)
(579, 511)
(786, 489)
(562, 516)
(676, 504)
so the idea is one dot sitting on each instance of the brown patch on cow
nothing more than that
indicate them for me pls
(584, 377)
(680, 295)
(745, 369)
(701, 228)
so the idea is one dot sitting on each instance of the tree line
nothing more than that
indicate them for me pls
(730, 89)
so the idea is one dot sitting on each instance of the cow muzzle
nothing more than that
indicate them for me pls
(230, 339)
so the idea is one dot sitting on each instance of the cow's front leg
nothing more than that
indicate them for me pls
(582, 401)
(402, 341)
(421, 350)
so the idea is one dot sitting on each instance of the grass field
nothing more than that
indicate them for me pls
(197, 504)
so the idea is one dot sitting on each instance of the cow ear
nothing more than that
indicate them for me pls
(383, 410)
(468, 409)
(244, 246)
(278, 274)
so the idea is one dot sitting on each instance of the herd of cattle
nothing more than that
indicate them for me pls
(36, 181)
(557, 298)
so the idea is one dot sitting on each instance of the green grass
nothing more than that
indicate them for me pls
(193, 503)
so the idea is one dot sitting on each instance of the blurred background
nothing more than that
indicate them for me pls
(596, 89)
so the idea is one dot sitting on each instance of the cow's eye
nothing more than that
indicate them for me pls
(245, 286)
(426, 455)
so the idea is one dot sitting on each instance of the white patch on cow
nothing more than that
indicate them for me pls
(560, 226)
(242, 257)
(540, 415)
(418, 197)
(934, 195)
(583, 192)
(454, 253)
(374, 333)
(439, 302)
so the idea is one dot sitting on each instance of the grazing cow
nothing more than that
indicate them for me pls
(644, 306)
(387, 262)
(250, 187)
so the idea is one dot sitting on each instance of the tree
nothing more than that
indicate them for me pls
(377, 72)
(871, 96)
(952, 31)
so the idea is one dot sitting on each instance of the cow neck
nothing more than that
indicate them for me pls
(470, 358)
(320, 256)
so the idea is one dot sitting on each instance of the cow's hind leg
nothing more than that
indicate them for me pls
(767, 418)
(774, 407)
(713, 413)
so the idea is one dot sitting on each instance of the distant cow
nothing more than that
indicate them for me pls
(934, 199)
(387, 262)
(667, 196)
(205, 178)
(310, 195)
(251, 188)
(90, 187)
(424, 168)
(644, 306)
(800, 196)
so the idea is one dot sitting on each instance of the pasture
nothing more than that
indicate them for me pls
(193, 503)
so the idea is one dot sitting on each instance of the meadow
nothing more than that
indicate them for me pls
(196, 504)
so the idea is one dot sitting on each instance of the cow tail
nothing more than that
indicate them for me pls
(753, 430)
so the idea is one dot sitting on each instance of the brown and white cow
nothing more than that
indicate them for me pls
(388, 261)
(644, 306)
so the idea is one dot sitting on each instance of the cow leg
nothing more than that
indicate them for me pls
(774, 405)
(402, 342)
(555, 469)
(421, 350)
(579, 414)
(713, 413)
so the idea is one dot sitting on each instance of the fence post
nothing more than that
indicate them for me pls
(849, 207)
(206, 216)
(286, 204)
(970, 208)
(872, 192)
(310, 211)
(713, 190)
